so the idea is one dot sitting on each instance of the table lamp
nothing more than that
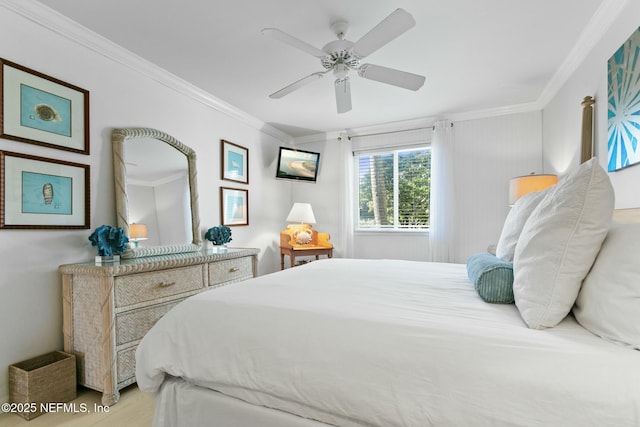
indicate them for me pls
(302, 213)
(137, 232)
(521, 185)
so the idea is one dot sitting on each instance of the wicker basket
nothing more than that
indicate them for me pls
(50, 378)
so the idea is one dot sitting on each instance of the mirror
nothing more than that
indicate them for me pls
(155, 186)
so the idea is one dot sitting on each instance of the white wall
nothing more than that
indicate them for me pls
(562, 116)
(324, 195)
(30, 285)
(488, 151)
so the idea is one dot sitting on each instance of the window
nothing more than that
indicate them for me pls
(393, 189)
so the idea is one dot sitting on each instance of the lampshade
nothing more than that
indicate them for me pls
(137, 231)
(302, 213)
(521, 185)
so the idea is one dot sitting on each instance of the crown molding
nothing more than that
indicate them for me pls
(595, 30)
(525, 107)
(65, 27)
(36, 12)
(421, 123)
(398, 126)
(317, 137)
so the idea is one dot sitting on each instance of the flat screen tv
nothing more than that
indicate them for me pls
(297, 164)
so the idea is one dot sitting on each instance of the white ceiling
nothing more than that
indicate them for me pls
(476, 54)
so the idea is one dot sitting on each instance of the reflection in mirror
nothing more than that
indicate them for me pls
(158, 193)
(156, 197)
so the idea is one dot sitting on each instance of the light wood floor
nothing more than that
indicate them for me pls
(134, 409)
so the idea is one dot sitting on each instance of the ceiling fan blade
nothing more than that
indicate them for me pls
(391, 27)
(292, 41)
(390, 76)
(298, 84)
(343, 95)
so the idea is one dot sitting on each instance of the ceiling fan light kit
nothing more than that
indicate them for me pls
(341, 56)
(343, 95)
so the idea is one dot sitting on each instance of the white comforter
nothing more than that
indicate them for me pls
(390, 343)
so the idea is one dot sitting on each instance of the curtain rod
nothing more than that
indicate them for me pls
(389, 132)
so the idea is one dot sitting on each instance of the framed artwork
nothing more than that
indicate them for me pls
(39, 109)
(624, 110)
(235, 162)
(234, 206)
(37, 193)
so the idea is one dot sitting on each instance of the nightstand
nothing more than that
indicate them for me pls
(318, 245)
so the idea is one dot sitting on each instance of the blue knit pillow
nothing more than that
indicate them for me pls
(491, 277)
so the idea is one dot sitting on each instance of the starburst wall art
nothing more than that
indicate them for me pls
(624, 105)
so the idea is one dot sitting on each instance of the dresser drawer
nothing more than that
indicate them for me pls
(126, 362)
(133, 325)
(143, 287)
(230, 270)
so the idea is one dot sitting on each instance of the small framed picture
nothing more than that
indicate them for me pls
(36, 193)
(234, 206)
(235, 162)
(39, 109)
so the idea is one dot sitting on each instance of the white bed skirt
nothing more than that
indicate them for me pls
(179, 403)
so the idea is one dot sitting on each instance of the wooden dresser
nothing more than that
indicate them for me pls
(108, 309)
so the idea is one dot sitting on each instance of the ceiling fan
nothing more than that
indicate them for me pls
(342, 56)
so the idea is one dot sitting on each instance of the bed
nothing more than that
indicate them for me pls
(350, 342)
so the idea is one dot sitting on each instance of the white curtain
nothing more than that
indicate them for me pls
(346, 196)
(442, 209)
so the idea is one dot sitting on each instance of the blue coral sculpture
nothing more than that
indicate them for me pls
(219, 235)
(109, 240)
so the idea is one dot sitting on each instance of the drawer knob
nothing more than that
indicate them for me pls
(166, 285)
(234, 269)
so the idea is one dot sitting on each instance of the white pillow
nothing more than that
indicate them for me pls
(514, 223)
(559, 243)
(609, 302)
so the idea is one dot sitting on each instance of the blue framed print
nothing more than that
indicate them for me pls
(234, 206)
(39, 109)
(37, 192)
(46, 194)
(45, 111)
(623, 126)
(235, 162)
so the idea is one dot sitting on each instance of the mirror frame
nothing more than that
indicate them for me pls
(118, 139)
